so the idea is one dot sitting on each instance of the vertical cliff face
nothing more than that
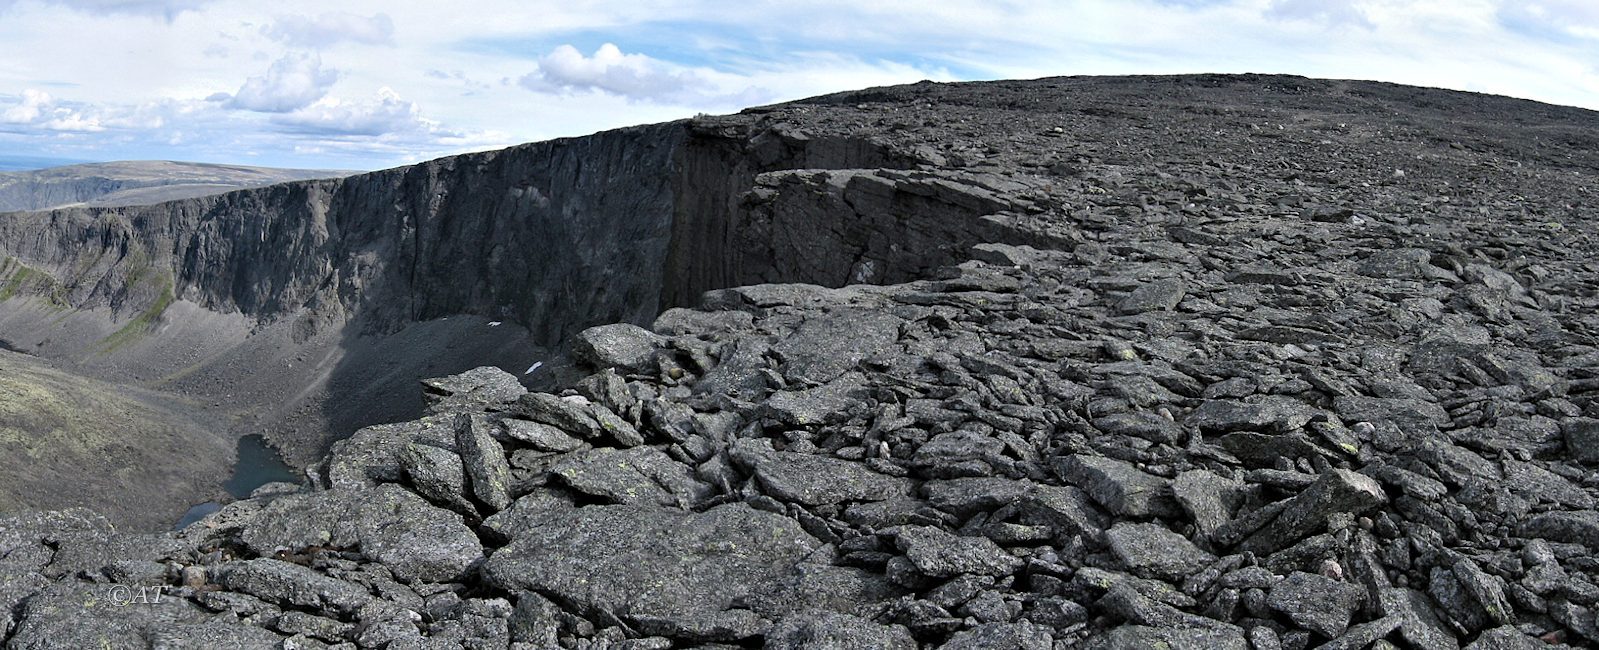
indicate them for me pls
(306, 310)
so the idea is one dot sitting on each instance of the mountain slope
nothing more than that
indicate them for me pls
(136, 183)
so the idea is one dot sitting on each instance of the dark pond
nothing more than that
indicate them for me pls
(258, 465)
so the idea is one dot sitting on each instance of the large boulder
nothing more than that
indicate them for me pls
(666, 570)
(417, 541)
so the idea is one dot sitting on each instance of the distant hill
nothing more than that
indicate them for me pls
(139, 182)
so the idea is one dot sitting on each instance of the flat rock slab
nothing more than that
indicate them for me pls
(1273, 414)
(941, 554)
(1119, 487)
(637, 476)
(1316, 603)
(389, 524)
(826, 346)
(651, 562)
(813, 480)
(88, 615)
(1153, 551)
(831, 631)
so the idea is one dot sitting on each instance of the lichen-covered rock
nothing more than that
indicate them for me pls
(606, 559)
(388, 525)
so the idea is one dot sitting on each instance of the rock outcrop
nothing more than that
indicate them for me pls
(1207, 395)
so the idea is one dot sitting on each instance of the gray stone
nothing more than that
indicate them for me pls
(1140, 424)
(1316, 603)
(475, 389)
(1001, 636)
(527, 513)
(1066, 510)
(620, 345)
(438, 475)
(826, 346)
(485, 462)
(1487, 590)
(833, 631)
(939, 554)
(535, 621)
(1506, 638)
(1122, 489)
(1418, 623)
(610, 559)
(388, 524)
(372, 455)
(1155, 295)
(1153, 551)
(1361, 636)
(814, 406)
(813, 479)
(1271, 413)
(637, 476)
(1570, 527)
(1338, 491)
(570, 416)
(72, 614)
(1582, 438)
(1143, 637)
(1124, 600)
(1209, 500)
(291, 585)
(540, 436)
(964, 497)
(821, 587)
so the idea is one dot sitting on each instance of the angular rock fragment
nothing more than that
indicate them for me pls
(1141, 424)
(812, 479)
(1156, 295)
(1152, 551)
(826, 346)
(540, 436)
(604, 561)
(1209, 500)
(941, 555)
(484, 459)
(1336, 492)
(388, 524)
(292, 585)
(1270, 414)
(1001, 636)
(479, 388)
(637, 476)
(815, 406)
(438, 475)
(833, 631)
(1121, 488)
(1316, 603)
(621, 345)
(1143, 637)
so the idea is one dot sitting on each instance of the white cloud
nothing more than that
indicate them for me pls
(292, 82)
(1575, 18)
(34, 102)
(1333, 12)
(387, 113)
(38, 109)
(331, 28)
(168, 9)
(634, 76)
(610, 70)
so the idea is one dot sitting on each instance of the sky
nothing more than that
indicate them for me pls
(365, 84)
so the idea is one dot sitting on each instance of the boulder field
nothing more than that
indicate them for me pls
(1184, 362)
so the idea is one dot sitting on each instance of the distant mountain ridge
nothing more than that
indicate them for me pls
(141, 182)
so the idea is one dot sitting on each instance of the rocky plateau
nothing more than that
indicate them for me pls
(1236, 362)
